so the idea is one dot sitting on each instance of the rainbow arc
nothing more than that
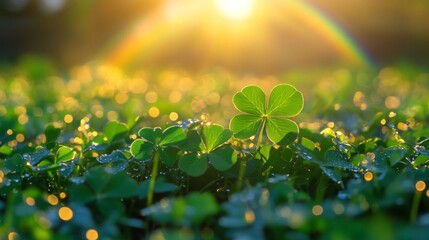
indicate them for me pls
(151, 33)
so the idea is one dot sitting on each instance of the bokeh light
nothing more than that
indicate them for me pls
(173, 116)
(392, 102)
(91, 234)
(30, 201)
(20, 137)
(13, 236)
(338, 208)
(52, 199)
(249, 216)
(153, 112)
(317, 210)
(65, 213)
(420, 186)
(63, 195)
(68, 118)
(151, 97)
(368, 176)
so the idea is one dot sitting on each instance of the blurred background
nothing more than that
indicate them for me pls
(259, 37)
(356, 62)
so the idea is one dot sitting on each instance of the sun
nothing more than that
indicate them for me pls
(235, 9)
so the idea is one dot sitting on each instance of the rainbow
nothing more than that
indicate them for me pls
(331, 31)
(154, 31)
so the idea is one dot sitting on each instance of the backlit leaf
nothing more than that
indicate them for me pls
(285, 101)
(142, 150)
(65, 153)
(172, 135)
(245, 126)
(150, 134)
(420, 160)
(282, 131)
(214, 136)
(6, 150)
(115, 131)
(250, 100)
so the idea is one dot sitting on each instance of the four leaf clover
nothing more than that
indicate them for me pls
(284, 101)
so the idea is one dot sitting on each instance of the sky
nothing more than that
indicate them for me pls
(241, 35)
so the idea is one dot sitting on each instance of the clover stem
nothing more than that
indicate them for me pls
(243, 161)
(241, 173)
(415, 206)
(155, 162)
(261, 133)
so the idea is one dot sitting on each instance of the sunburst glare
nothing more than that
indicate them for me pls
(236, 9)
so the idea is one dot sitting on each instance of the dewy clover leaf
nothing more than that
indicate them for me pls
(154, 139)
(212, 148)
(156, 144)
(284, 101)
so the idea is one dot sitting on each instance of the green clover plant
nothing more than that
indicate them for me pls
(210, 148)
(105, 189)
(284, 101)
(155, 144)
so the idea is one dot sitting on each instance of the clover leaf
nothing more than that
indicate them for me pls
(154, 139)
(114, 131)
(211, 149)
(65, 154)
(156, 144)
(284, 101)
(105, 189)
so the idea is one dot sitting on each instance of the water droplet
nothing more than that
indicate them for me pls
(77, 180)
(343, 195)
(6, 182)
(26, 175)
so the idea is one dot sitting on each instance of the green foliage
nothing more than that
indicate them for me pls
(183, 211)
(352, 172)
(99, 185)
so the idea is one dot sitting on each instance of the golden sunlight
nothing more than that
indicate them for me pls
(235, 9)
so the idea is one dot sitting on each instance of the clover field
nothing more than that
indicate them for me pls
(96, 153)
